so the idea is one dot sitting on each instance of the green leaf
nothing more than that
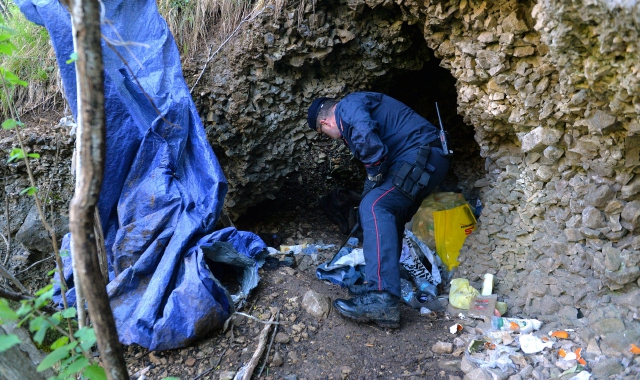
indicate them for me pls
(76, 366)
(6, 312)
(95, 372)
(69, 313)
(59, 343)
(8, 341)
(55, 356)
(57, 317)
(42, 331)
(36, 323)
(29, 190)
(15, 154)
(33, 155)
(44, 290)
(64, 363)
(72, 58)
(86, 336)
(12, 78)
(44, 296)
(24, 309)
(7, 48)
(10, 124)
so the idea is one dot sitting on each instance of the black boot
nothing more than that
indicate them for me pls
(379, 307)
(358, 290)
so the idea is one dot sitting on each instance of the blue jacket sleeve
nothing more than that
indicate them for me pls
(363, 133)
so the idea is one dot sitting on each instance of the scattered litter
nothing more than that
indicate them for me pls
(581, 373)
(272, 251)
(305, 248)
(501, 307)
(425, 311)
(500, 337)
(523, 326)
(461, 293)
(476, 345)
(455, 328)
(483, 307)
(530, 344)
(634, 349)
(584, 375)
(487, 285)
(355, 257)
(560, 334)
(496, 356)
(567, 355)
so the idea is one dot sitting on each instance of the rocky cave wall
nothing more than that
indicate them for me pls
(550, 88)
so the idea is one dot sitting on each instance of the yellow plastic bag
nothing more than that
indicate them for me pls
(423, 226)
(461, 293)
(451, 228)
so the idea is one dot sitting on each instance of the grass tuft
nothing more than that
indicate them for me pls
(197, 23)
(33, 61)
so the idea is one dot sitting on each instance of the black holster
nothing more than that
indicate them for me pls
(411, 178)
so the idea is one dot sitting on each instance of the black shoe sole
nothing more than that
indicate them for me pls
(385, 323)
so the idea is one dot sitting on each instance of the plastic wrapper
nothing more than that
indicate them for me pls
(461, 293)
(443, 222)
(423, 225)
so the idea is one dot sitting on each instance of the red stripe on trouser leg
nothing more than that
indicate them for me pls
(375, 223)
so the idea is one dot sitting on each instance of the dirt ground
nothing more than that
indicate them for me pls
(307, 347)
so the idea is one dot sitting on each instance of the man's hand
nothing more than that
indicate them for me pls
(377, 173)
(377, 179)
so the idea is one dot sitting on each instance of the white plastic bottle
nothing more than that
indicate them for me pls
(487, 285)
(524, 326)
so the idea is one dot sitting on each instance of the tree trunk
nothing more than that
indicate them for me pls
(91, 136)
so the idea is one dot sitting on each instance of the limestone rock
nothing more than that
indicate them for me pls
(631, 189)
(442, 348)
(600, 197)
(316, 304)
(631, 215)
(601, 122)
(606, 368)
(592, 217)
(539, 138)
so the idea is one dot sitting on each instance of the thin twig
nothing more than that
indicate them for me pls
(6, 215)
(34, 264)
(269, 322)
(273, 335)
(20, 297)
(18, 284)
(246, 19)
(50, 185)
(247, 371)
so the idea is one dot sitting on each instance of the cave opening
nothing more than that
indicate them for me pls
(419, 89)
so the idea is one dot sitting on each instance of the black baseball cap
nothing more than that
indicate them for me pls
(314, 108)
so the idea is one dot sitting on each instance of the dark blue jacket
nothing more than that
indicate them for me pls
(381, 131)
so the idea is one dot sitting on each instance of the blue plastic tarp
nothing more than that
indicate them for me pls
(163, 187)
